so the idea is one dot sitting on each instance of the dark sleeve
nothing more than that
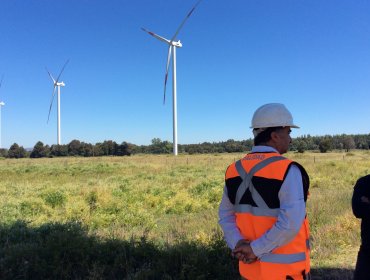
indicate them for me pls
(305, 179)
(362, 188)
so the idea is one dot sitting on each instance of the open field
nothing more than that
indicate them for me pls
(153, 217)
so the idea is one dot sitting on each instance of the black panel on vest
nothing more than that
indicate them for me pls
(247, 199)
(268, 189)
(232, 185)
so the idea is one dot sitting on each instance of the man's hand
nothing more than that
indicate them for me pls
(243, 251)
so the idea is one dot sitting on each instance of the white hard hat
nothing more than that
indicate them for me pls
(272, 115)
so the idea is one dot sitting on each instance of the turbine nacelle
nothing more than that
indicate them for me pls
(2, 103)
(177, 44)
(60, 84)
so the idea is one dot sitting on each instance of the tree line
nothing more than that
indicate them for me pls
(111, 148)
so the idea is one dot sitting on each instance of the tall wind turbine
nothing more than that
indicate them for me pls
(172, 45)
(1, 104)
(57, 86)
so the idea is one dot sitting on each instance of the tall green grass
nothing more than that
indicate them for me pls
(153, 217)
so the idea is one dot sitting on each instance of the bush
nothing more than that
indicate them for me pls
(92, 199)
(54, 198)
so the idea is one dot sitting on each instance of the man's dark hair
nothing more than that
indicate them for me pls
(265, 136)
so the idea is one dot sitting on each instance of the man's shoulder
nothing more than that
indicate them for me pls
(297, 166)
(365, 180)
(231, 171)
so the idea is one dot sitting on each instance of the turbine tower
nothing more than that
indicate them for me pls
(57, 86)
(1, 104)
(172, 45)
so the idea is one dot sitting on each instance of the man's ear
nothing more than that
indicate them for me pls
(274, 136)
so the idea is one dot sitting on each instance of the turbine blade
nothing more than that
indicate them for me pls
(185, 19)
(1, 81)
(64, 66)
(51, 77)
(156, 36)
(166, 76)
(51, 103)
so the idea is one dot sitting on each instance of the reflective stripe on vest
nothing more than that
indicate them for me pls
(262, 209)
(283, 258)
(256, 211)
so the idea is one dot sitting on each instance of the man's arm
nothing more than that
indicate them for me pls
(227, 221)
(291, 216)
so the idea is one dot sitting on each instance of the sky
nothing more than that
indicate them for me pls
(313, 56)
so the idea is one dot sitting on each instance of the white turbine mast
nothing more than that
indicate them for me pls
(57, 85)
(172, 45)
(1, 104)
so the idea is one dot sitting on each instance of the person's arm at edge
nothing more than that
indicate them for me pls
(360, 208)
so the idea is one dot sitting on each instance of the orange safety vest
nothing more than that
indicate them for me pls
(253, 184)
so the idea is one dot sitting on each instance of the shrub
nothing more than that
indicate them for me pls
(54, 198)
(92, 199)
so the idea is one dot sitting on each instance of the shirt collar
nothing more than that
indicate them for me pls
(263, 149)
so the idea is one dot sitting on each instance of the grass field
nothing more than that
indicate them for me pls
(153, 217)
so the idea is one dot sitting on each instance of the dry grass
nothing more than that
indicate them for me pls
(169, 199)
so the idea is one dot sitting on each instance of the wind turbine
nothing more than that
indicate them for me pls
(57, 85)
(172, 45)
(1, 104)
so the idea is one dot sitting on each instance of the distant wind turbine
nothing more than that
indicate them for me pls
(1, 104)
(173, 44)
(57, 85)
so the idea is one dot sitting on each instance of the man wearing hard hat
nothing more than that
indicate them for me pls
(263, 208)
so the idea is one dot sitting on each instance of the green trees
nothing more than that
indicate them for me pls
(301, 146)
(108, 147)
(39, 150)
(3, 152)
(86, 150)
(232, 146)
(158, 146)
(59, 150)
(325, 145)
(125, 149)
(74, 148)
(16, 151)
(348, 143)
(362, 141)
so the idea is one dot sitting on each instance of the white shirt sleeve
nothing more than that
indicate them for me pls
(227, 221)
(291, 216)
